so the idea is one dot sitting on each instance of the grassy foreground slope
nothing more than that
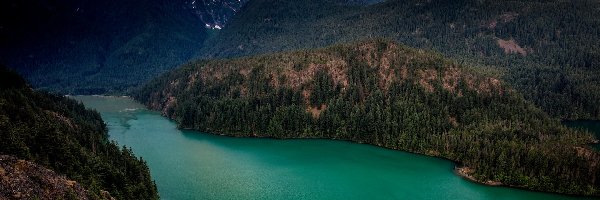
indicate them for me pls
(386, 94)
(60, 134)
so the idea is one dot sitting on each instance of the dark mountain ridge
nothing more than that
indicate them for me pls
(96, 47)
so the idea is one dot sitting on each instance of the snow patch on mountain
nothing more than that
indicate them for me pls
(215, 13)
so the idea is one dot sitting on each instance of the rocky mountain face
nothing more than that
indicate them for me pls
(20, 179)
(215, 13)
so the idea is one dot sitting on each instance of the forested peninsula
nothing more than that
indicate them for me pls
(383, 93)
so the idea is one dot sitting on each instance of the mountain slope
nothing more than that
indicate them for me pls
(548, 50)
(60, 134)
(386, 94)
(94, 47)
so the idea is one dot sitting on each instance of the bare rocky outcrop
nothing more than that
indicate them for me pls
(511, 46)
(467, 172)
(20, 179)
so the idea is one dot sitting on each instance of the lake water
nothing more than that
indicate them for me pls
(194, 165)
(589, 125)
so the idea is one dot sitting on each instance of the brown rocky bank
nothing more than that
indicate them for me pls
(20, 179)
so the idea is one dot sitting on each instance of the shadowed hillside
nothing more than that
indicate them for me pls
(96, 47)
(59, 134)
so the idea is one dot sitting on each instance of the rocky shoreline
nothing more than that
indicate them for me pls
(466, 172)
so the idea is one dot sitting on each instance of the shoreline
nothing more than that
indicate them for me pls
(465, 172)
(459, 169)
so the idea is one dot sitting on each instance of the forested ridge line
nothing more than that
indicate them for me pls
(547, 49)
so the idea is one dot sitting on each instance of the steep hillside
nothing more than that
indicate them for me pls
(548, 50)
(94, 47)
(386, 94)
(58, 133)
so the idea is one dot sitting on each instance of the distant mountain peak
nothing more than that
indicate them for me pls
(215, 13)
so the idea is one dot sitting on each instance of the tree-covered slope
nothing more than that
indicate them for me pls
(548, 50)
(386, 94)
(96, 47)
(60, 134)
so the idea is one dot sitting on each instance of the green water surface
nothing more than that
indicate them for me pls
(194, 165)
(588, 125)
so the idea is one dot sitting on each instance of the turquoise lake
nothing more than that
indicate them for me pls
(588, 125)
(195, 165)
